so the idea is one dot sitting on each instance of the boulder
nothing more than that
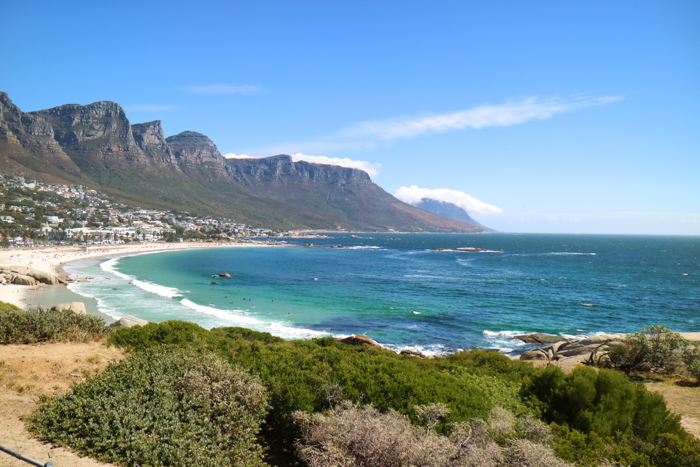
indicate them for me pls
(533, 355)
(43, 276)
(224, 274)
(359, 340)
(412, 353)
(75, 307)
(20, 279)
(128, 321)
(540, 338)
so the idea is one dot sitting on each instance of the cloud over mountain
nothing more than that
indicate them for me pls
(413, 194)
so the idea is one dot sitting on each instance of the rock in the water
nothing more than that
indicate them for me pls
(75, 307)
(224, 274)
(412, 353)
(359, 340)
(540, 338)
(20, 279)
(128, 321)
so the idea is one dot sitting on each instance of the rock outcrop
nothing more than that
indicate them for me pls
(9, 273)
(150, 138)
(195, 152)
(359, 340)
(567, 349)
(21, 279)
(128, 321)
(76, 307)
(96, 135)
(540, 338)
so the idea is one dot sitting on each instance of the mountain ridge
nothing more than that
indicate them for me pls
(96, 145)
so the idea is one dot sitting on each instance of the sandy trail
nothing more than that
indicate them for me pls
(26, 371)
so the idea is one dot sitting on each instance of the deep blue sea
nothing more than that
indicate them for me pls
(399, 291)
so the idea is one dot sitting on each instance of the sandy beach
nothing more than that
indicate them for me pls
(52, 260)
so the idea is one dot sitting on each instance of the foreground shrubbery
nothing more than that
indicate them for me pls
(314, 375)
(353, 406)
(162, 407)
(28, 327)
(353, 436)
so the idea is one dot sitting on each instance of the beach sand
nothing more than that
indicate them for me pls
(52, 260)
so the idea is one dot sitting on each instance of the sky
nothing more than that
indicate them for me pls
(538, 116)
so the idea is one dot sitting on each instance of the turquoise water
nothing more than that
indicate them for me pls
(403, 294)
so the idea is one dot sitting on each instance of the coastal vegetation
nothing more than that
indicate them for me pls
(18, 326)
(233, 396)
(166, 406)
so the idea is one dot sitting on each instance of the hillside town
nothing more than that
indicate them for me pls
(32, 212)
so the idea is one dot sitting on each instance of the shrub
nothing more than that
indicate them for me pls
(165, 406)
(352, 436)
(29, 327)
(654, 348)
(299, 374)
(606, 403)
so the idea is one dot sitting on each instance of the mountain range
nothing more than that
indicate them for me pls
(95, 145)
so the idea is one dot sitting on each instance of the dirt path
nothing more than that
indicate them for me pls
(27, 371)
(683, 400)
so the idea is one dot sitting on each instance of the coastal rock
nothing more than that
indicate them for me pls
(567, 349)
(412, 353)
(43, 276)
(540, 338)
(224, 274)
(533, 355)
(359, 340)
(76, 307)
(128, 321)
(20, 279)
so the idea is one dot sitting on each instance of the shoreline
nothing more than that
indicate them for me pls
(52, 259)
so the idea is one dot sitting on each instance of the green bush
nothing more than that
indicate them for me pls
(28, 327)
(606, 403)
(161, 407)
(301, 375)
(652, 348)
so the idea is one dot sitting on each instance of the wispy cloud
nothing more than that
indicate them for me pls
(148, 108)
(221, 89)
(369, 134)
(370, 168)
(413, 194)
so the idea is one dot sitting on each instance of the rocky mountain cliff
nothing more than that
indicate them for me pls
(96, 145)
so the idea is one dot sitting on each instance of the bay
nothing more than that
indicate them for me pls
(397, 289)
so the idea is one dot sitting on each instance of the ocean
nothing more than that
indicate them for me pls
(404, 292)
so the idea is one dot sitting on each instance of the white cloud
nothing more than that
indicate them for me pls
(470, 204)
(148, 108)
(370, 134)
(487, 115)
(237, 156)
(370, 168)
(221, 89)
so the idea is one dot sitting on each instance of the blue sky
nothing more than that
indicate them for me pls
(579, 117)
